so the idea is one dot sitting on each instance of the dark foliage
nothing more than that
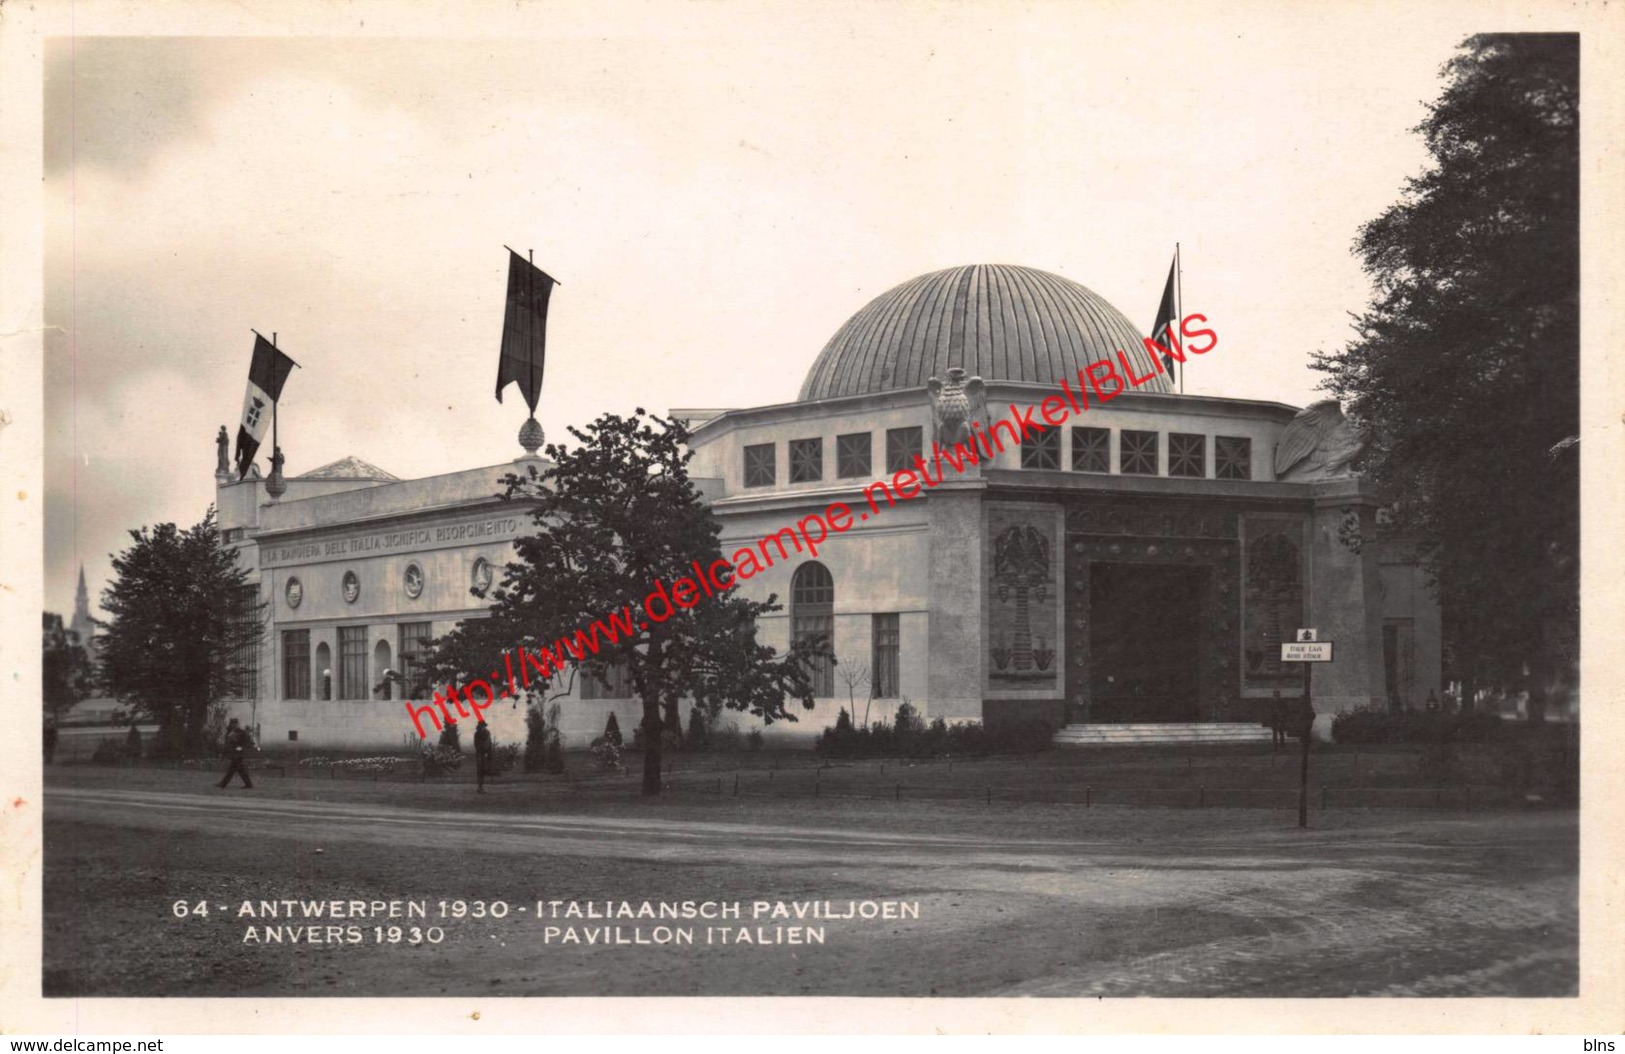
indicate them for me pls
(915, 739)
(180, 631)
(64, 668)
(616, 515)
(1371, 725)
(535, 739)
(612, 730)
(1466, 367)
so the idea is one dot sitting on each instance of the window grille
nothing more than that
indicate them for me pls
(1042, 449)
(1138, 453)
(903, 445)
(1187, 455)
(852, 454)
(1233, 457)
(1091, 450)
(759, 471)
(806, 460)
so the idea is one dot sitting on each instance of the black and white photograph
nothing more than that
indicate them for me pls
(918, 504)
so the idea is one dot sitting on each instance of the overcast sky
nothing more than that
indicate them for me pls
(717, 190)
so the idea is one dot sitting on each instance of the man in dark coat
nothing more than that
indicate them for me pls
(484, 753)
(237, 743)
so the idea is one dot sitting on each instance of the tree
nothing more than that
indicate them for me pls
(617, 519)
(65, 667)
(1466, 363)
(185, 621)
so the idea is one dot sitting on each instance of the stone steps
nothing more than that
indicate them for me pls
(1088, 735)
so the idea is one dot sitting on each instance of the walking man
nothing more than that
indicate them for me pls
(483, 753)
(237, 743)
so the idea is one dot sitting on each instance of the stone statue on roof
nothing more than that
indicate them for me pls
(1318, 444)
(955, 406)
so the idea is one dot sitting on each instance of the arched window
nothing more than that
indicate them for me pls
(812, 615)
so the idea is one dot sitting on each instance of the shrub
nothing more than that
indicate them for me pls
(697, 732)
(608, 756)
(612, 730)
(535, 739)
(132, 744)
(555, 755)
(505, 758)
(108, 752)
(1378, 724)
(913, 738)
(908, 720)
(440, 759)
(754, 740)
(451, 737)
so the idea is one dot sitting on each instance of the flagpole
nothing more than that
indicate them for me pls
(1179, 309)
(273, 405)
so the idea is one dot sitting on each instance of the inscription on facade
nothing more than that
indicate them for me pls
(360, 544)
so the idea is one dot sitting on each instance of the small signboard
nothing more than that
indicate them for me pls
(1306, 651)
(1307, 636)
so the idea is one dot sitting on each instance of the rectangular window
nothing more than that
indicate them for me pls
(852, 454)
(414, 649)
(1091, 450)
(1137, 455)
(903, 445)
(759, 470)
(883, 668)
(816, 627)
(614, 683)
(806, 460)
(248, 654)
(296, 664)
(1042, 449)
(1233, 457)
(353, 663)
(1187, 455)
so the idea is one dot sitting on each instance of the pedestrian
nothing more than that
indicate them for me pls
(237, 743)
(1278, 721)
(50, 739)
(483, 753)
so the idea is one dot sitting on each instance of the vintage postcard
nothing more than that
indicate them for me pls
(964, 516)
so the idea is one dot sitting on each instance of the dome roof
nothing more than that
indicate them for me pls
(997, 321)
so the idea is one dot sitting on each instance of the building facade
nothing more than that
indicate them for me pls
(1140, 563)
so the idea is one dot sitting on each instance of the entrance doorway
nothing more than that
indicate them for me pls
(1144, 642)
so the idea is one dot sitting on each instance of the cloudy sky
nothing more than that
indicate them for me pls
(717, 187)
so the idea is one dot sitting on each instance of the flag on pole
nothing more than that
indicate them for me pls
(524, 329)
(1165, 330)
(266, 375)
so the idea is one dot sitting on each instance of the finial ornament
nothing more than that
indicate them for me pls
(276, 486)
(531, 436)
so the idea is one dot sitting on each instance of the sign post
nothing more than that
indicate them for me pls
(1307, 648)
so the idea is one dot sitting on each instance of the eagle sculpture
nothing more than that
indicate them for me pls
(955, 406)
(1319, 443)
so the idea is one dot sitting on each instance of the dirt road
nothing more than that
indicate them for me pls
(1023, 901)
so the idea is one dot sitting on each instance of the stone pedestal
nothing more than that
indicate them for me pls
(954, 638)
(1344, 599)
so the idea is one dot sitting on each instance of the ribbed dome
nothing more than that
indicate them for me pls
(998, 322)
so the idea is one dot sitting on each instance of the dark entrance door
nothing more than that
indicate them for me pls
(1143, 643)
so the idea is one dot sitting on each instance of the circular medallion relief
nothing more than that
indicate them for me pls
(293, 592)
(352, 587)
(414, 581)
(482, 574)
